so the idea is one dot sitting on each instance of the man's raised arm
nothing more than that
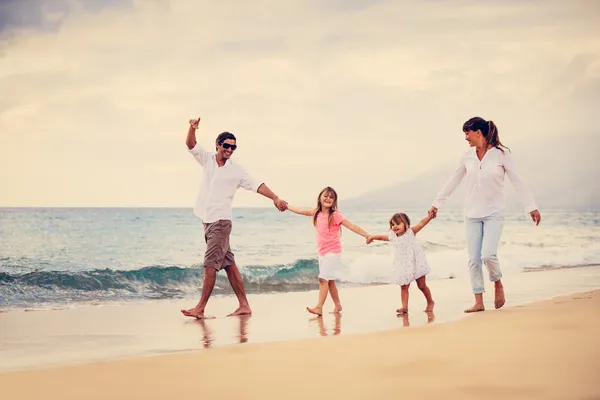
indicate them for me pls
(196, 149)
(190, 141)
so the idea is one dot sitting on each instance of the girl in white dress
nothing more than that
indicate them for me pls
(409, 263)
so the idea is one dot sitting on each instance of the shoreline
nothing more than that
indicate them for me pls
(42, 339)
(542, 350)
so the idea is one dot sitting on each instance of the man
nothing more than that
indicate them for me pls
(222, 178)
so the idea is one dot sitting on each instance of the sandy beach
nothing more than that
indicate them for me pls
(543, 350)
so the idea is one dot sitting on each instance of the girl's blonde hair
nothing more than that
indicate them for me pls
(320, 208)
(400, 218)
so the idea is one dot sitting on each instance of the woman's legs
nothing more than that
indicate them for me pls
(474, 242)
(483, 237)
(492, 230)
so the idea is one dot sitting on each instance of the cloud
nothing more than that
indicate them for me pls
(16, 15)
(350, 94)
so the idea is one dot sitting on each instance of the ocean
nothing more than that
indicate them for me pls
(55, 258)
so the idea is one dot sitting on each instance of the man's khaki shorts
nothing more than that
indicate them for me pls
(218, 253)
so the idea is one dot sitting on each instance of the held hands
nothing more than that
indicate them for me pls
(369, 239)
(281, 205)
(432, 212)
(194, 123)
(536, 217)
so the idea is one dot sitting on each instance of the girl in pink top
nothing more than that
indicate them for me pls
(327, 221)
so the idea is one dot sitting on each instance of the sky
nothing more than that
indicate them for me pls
(95, 97)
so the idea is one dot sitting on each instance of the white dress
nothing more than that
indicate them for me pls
(409, 258)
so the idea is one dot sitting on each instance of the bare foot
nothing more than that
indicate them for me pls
(337, 310)
(316, 310)
(242, 310)
(402, 311)
(475, 308)
(195, 313)
(499, 299)
(430, 306)
(430, 317)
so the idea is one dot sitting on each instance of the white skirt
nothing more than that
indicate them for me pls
(331, 266)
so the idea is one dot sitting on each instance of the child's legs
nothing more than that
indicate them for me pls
(335, 295)
(404, 296)
(474, 242)
(492, 229)
(323, 290)
(422, 285)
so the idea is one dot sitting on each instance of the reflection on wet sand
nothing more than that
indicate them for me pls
(208, 336)
(243, 336)
(236, 329)
(404, 317)
(337, 324)
(406, 322)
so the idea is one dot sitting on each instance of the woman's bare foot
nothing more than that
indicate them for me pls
(475, 308)
(402, 311)
(430, 306)
(195, 313)
(316, 310)
(499, 298)
(242, 310)
(337, 309)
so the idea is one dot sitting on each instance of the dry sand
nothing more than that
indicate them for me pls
(546, 350)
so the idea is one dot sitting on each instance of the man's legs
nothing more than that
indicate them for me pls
(210, 277)
(235, 278)
(216, 235)
(237, 284)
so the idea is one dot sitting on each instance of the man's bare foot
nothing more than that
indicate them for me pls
(242, 310)
(195, 313)
(316, 310)
(499, 299)
(337, 310)
(475, 308)
(402, 311)
(430, 306)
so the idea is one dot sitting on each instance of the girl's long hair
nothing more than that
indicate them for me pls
(320, 208)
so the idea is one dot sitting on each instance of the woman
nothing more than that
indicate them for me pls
(483, 169)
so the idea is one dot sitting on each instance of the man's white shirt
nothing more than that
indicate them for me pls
(219, 186)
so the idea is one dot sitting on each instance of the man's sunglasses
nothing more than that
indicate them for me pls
(229, 146)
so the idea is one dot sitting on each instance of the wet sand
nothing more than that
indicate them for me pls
(545, 350)
(100, 333)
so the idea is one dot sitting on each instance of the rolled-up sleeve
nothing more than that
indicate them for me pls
(247, 182)
(200, 154)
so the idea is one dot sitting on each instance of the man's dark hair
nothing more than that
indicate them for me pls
(224, 136)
